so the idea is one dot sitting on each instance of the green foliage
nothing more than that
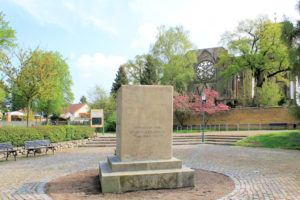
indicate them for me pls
(135, 68)
(150, 74)
(35, 77)
(255, 45)
(291, 36)
(18, 101)
(269, 94)
(284, 140)
(179, 71)
(98, 98)
(176, 61)
(82, 132)
(7, 34)
(171, 42)
(62, 94)
(17, 135)
(245, 98)
(295, 111)
(121, 79)
(110, 125)
(7, 41)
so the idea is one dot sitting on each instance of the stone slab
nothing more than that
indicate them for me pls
(144, 122)
(118, 182)
(117, 166)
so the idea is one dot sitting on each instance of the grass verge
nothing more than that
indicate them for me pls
(285, 140)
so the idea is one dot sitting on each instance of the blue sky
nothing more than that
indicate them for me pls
(97, 36)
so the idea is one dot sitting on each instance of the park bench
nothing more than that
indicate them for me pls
(278, 125)
(8, 149)
(36, 146)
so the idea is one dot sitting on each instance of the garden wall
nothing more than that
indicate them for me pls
(251, 115)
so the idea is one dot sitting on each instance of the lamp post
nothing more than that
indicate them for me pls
(203, 97)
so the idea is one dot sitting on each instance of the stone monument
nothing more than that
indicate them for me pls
(144, 157)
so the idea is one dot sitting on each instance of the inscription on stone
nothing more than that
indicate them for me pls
(147, 131)
(144, 123)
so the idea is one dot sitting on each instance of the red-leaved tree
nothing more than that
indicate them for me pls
(187, 105)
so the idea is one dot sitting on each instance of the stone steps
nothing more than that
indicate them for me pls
(110, 141)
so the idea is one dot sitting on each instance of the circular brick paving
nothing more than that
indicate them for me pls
(258, 173)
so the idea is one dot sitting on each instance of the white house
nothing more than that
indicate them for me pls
(77, 112)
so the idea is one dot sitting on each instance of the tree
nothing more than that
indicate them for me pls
(98, 98)
(18, 101)
(182, 107)
(7, 41)
(135, 68)
(186, 105)
(176, 61)
(269, 94)
(7, 35)
(245, 95)
(291, 36)
(83, 99)
(256, 45)
(62, 94)
(149, 75)
(121, 79)
(33, 78)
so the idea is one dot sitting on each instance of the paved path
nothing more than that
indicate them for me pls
(258, 173)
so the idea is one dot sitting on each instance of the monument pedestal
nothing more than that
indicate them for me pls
(118, 177)
(144, 157)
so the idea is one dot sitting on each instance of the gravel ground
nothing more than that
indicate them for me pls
(258, 173)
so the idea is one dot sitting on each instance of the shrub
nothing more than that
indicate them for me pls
(82, 132)
(110, 124)
(17, 135)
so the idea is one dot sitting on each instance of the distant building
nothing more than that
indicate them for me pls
(77, 112)
(208, 77)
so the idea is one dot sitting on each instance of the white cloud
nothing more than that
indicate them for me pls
(208, 20)
(99, 65)
(100, 23)
(147, 34)
(46, 12)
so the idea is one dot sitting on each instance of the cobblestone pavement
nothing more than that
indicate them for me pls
(258, 173)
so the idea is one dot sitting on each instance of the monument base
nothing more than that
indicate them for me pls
(141, 175)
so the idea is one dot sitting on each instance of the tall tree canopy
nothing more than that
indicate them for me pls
(7, 34)
(291, 36)
(7, 41)
(83, 99)
(150, 74)
(34, 77)
(256, 45)
(62, 93)
(135, 68)
(121, 79)
(176, 61)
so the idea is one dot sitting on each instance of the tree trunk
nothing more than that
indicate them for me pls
(28, 111)
(259, 78)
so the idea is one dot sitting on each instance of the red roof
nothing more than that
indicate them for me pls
(74, 107)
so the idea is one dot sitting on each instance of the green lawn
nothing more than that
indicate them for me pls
(285, 140)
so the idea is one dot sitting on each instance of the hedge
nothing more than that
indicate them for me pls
(17, 135)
